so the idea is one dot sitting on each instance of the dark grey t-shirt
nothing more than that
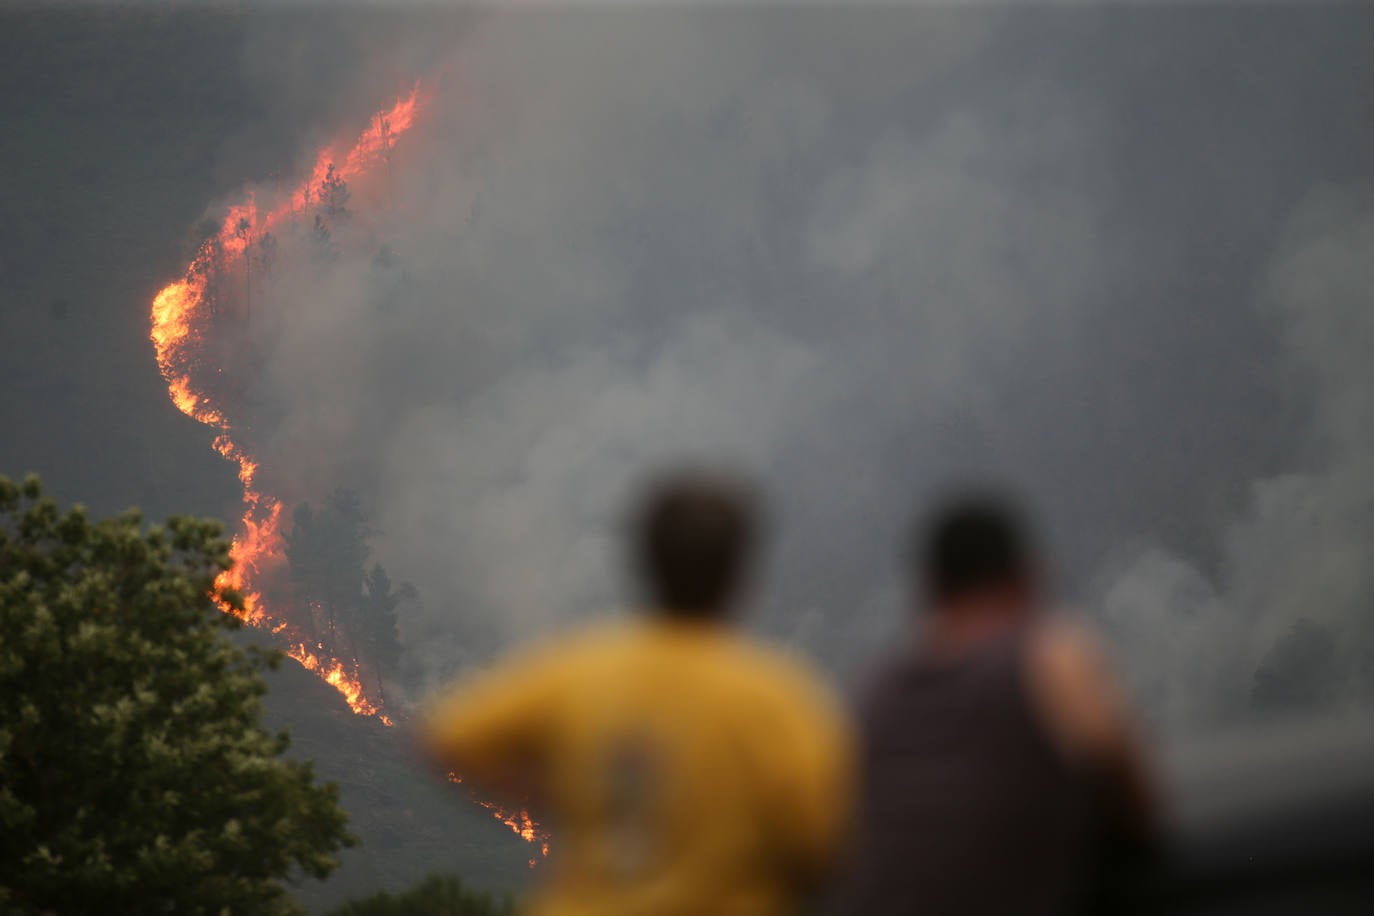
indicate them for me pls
(966, 808)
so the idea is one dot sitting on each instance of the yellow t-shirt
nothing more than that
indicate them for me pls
(687, 770)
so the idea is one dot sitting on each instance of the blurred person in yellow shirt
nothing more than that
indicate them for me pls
(686, 770)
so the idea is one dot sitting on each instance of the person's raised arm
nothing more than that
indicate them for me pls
(1085, 711)
(492, 729)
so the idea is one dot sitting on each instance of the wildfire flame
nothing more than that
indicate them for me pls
(179, 326)
(518, 821)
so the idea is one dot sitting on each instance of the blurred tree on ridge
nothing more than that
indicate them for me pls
(437, 895)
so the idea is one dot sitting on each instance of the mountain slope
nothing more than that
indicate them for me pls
(409, 821)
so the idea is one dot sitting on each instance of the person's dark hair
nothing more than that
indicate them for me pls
(692, 541)
(972, 542)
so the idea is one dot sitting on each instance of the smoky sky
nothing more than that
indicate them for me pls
(1115, 258)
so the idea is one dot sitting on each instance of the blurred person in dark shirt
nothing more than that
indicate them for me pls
(687, 768)
(998, 757)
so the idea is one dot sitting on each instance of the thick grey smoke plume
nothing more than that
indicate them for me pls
(861, 255)
(1294, 597)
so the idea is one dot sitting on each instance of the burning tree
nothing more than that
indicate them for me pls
(243, 231)
(327, 551)
(134, 775)
(206, 266)
(333, 196)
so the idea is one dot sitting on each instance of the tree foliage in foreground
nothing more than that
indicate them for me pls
(437, 895)
(134, 774)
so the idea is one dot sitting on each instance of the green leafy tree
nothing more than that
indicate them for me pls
(134, 774)
(437, 895)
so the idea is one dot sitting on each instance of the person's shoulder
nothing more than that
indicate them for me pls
(1072, 684)
(785, 679)
(571, 650)
(1064, 648)
(594, 642)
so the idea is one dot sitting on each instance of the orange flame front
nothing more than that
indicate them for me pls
(518, 821)
(180, 324)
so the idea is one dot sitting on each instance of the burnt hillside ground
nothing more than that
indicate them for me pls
(409, 823)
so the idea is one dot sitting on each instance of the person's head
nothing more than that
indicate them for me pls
(976, 550)
(692, 543)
